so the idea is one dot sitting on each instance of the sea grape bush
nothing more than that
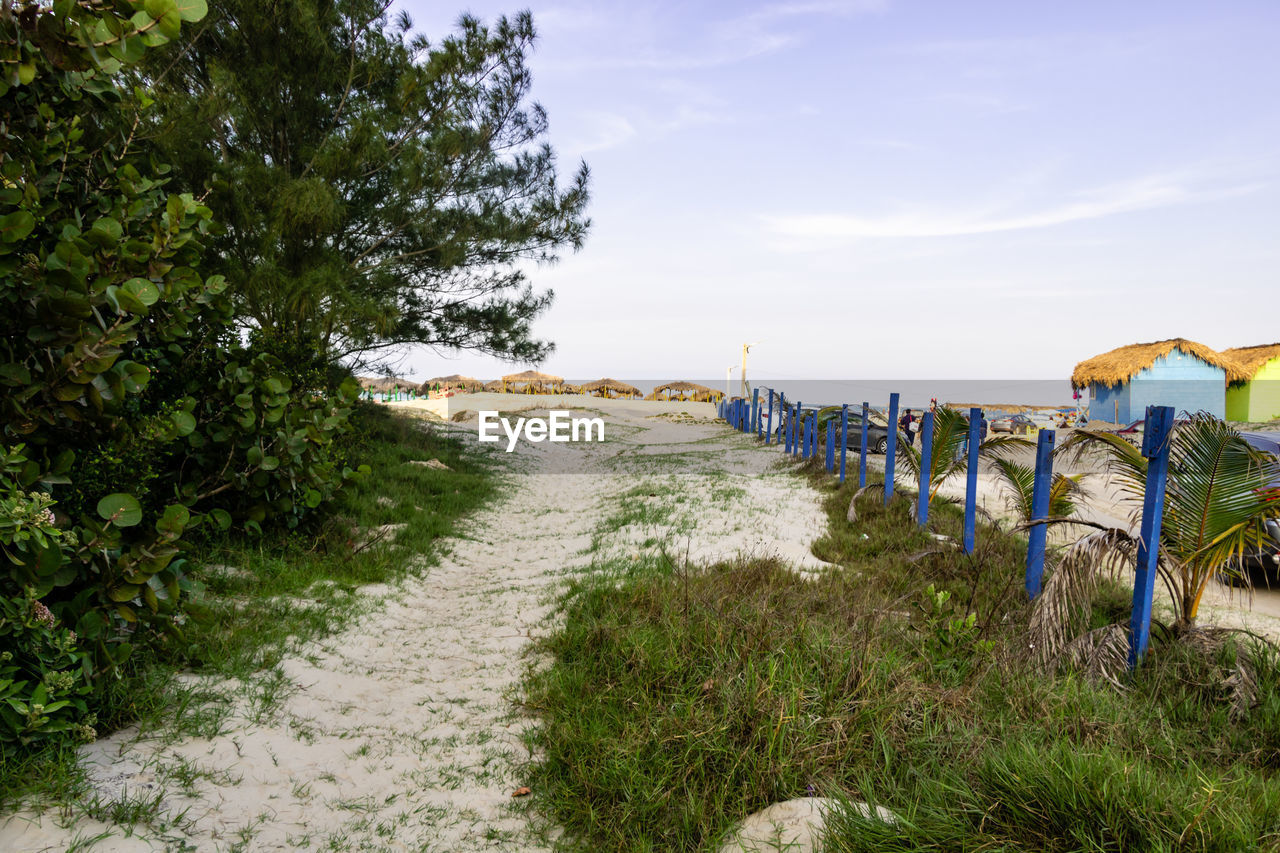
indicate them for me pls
(131, 416)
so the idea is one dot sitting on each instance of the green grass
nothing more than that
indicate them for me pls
(680, 699)
(259, 599)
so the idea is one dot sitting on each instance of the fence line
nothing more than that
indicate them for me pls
(798, 436)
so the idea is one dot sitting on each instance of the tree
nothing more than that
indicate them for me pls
(377, 191)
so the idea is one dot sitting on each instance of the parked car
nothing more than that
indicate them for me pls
(877, 430)
(1133, 432)
(1266, 559)
(1013, 424)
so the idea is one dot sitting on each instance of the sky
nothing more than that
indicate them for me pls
(902, 188)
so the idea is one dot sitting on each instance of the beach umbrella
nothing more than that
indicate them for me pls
(606, 387)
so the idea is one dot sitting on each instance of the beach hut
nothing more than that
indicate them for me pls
(451, 383)
(1257, 398)
(610, 388)
(1177, 372)
(385, 385)
(533, 382)
(496, 386)
(699, 393)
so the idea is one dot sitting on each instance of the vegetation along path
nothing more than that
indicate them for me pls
(402, 731)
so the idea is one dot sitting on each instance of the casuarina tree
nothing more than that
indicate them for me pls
(377, 190)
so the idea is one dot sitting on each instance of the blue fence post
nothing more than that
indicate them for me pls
(768, 430)
(813, 434)
(795, 426)
(844, 437)
(892, 450)
(862, 451)
(1039, 533)
(1155, 446)
(926, 468)
(806, 433)
(831, 445)
(971, 485)
(755, 409)
(784, 415)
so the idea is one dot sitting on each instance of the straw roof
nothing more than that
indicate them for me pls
(610, 385)
(466, 383)
(385, 385)
(1122, 364)
(495, 385)
(533, 376)
(1252, 359)
(683, 386)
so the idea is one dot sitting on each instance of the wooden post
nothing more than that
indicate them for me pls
(1039, 533)
(862, 451)
(755, 411)
(971, 484)
(831, 445)
(926, 469)
(892, 450)
(795, 425)
(806, 433)
(785, 415)
(768, 430)
(844, 437)
(1155, 446)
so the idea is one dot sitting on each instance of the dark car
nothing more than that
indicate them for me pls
(877, 432)
(1266, 559)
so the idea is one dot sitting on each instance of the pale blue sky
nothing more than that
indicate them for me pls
(904, 188)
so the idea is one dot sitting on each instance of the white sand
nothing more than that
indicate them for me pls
(400, 733)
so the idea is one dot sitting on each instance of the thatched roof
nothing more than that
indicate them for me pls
(683, 386)
(466, 383)
(495, 385)
(532, 376)
(385, 385)
(1120, 365)
(1252, 359)
(610, 385)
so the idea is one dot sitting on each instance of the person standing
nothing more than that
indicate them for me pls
(906, 423)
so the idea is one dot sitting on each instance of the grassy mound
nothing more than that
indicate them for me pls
(681, 699)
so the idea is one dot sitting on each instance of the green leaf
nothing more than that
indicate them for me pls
(244, 401)
(16, 225)
(124, 592)
(120, 509)
(221, 517)
(184, 421)
(254, 455)
(192, 10)
(144, 291)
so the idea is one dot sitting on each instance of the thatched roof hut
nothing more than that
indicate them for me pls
(532, 382)
(1123, 363)
(1183, 374)
(451, 383)
(494, 386)
(610, 388)
(1253, 359)
(695, 392)
(386, 384)
(1257, 398)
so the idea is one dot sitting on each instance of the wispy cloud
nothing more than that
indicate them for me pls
(1146, 193)
(601, 131)
(758, 32)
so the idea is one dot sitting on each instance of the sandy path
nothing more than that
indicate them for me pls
(400, 733)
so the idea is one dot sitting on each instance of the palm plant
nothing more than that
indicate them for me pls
(1020, 481)
(948, 459)
(1216, 502)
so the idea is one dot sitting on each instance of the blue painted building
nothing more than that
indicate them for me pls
(1189, 376)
